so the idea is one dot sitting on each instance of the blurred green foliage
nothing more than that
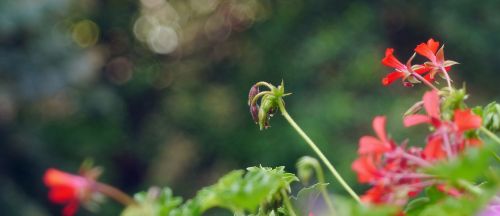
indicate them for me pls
(77, 80)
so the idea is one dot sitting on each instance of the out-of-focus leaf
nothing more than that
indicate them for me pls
(237, 191)
(155, 202)
(306, 198)
(431, 196)
(469, 166)
(351, 208)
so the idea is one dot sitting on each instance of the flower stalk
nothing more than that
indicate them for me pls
(320, 154)
(270, 102)
(304, 171)
(115, 194)
(286, 202)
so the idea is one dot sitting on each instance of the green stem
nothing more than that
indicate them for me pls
(257, 96)
(318, 152)
(287, 203)
(324, 192)
(490, 134)
(261, 83)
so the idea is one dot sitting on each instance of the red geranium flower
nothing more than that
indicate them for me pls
(429, 50)
(67, 189)
(402, 71)
(437, 62)
(448, 138)
(391, 169)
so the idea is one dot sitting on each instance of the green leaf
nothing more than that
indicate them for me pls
(245, 193)
(349, 207)
(431, 196)
(463, 206)
(155, 202)
(416, 206)
(469, 166)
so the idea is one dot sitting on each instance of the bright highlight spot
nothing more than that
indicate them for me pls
(85, 33)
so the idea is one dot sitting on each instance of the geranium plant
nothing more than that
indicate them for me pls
(452, 171)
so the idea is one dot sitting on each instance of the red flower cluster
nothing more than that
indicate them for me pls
(68, 189)
(411, 74)
(395, 171)
(391, 169)
(448, 139)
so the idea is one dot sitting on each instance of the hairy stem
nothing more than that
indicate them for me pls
(447, 145)
(257, 96)
(318, 152)
(448, 79)
(419, 77)
(416, 160)
(114, 193)
(287, 203)
(321, 179)
(261, 83)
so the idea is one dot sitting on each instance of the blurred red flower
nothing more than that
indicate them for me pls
(67, 189)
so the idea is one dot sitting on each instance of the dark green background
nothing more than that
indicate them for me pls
(182, 119)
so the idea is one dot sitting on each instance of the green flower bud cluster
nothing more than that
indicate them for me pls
(269, 102)
(491, 117)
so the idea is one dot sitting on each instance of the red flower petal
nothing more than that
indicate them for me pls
(374, 194)
(433, 45)
(365, 168)
(422, 70)
(55, 177)
(391, 77)
(434, 149)
(416, 119)
(466, 120)
(62, 194)
(70, 209)
(429, 77)
(378, 125)
(369, 144)
(391, 61)
(65, 188)
(424, 50)
(431, 104)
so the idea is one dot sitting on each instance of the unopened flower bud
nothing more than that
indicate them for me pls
(265, 108)
(254, 111)
(491, 117)
(305, 168)
(264, 104)
(251, 94)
